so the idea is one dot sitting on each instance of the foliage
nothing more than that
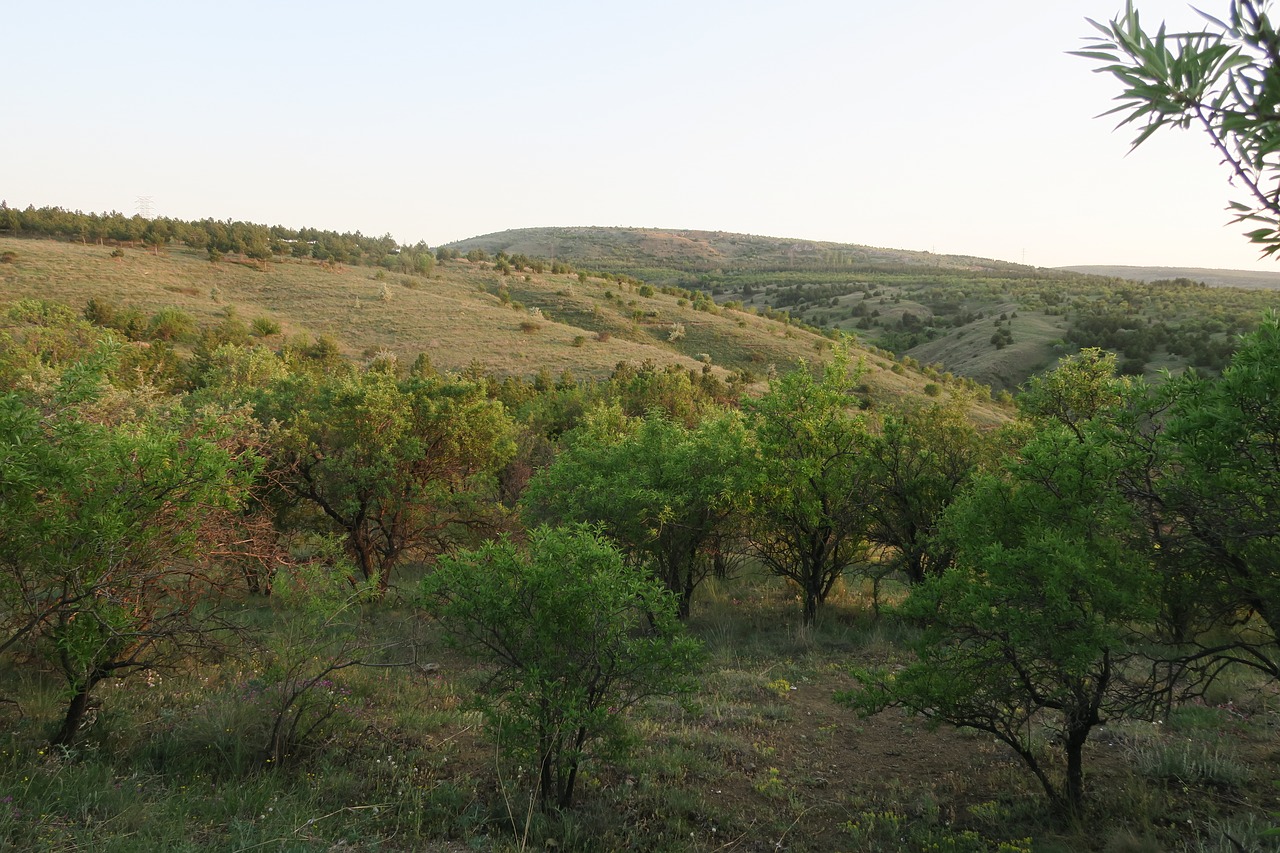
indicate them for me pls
(809, 512)
(664, 492)
(1079, 389)
(917, 464)
(1220, 491)
(571, 637)
(399, 467)
(114, 509)
(321, 634)
(1222, 81)
(1032, 625)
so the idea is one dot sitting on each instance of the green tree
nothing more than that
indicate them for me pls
(662, 491)
(1220, 490)
(1082, 387)
(808, 515)
(399, 467)
(917, 464)
(1222, 80)
(113, 510)
(571, 637)
(1031, 628)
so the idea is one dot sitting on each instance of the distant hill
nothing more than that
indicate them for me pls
(655, 249)
(993, 321)
(1253, 279)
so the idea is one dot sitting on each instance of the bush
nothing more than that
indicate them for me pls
(171, 324)
(264, 327)
(572, 637)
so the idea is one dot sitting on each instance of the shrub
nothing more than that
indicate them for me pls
(571, 636)
(580, 340)
(171, 324)
(264, 327)
(530, 326)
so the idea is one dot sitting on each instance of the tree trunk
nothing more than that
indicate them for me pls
(75, 716)
(810, 606)
(1074, 790)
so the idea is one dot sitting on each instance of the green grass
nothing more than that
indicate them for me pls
(760, 755)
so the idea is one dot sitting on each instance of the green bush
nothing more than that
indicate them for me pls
(571, 637)
(264, 327)
(171, 324)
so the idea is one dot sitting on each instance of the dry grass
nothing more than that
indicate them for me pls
(464, 313)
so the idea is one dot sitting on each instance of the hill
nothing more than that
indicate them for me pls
(463, 313)
(1251, 279)
(647, 252)
(992, 321)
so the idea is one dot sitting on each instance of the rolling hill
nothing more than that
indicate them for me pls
(993, 321)
(464, 313)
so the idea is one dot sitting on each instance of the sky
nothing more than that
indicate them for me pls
(936, 125)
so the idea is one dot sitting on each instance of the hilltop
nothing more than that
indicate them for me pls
(992, 321)
(647, 252)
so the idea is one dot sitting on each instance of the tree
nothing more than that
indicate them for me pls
(571, 638)
(662, 491)
(114, 509)
(808, 514)
(1222, 80)
(1082, 387)
(917, 465)
(1032, 626)
(399, 467)
(1220, 490)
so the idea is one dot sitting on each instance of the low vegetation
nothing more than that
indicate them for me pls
(258, 594)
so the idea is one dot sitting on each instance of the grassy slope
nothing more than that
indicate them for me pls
(456, 315)
(634, 249)
(831, 275)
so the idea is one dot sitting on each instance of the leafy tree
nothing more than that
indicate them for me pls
(571, 637)
(808, 515)
(662, 491)
(1081, 388)
(397, 466)
(113, 510)
(1221, 492)
(917, 465)
(1222, 80)
(1031, 627)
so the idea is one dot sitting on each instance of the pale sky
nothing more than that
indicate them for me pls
(954, 126)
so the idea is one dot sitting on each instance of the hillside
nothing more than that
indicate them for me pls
(992, 321)
(1252, 279)
(464, 312)
(681, 252)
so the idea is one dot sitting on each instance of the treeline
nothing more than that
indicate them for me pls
(1105, 556)
(247, 239)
